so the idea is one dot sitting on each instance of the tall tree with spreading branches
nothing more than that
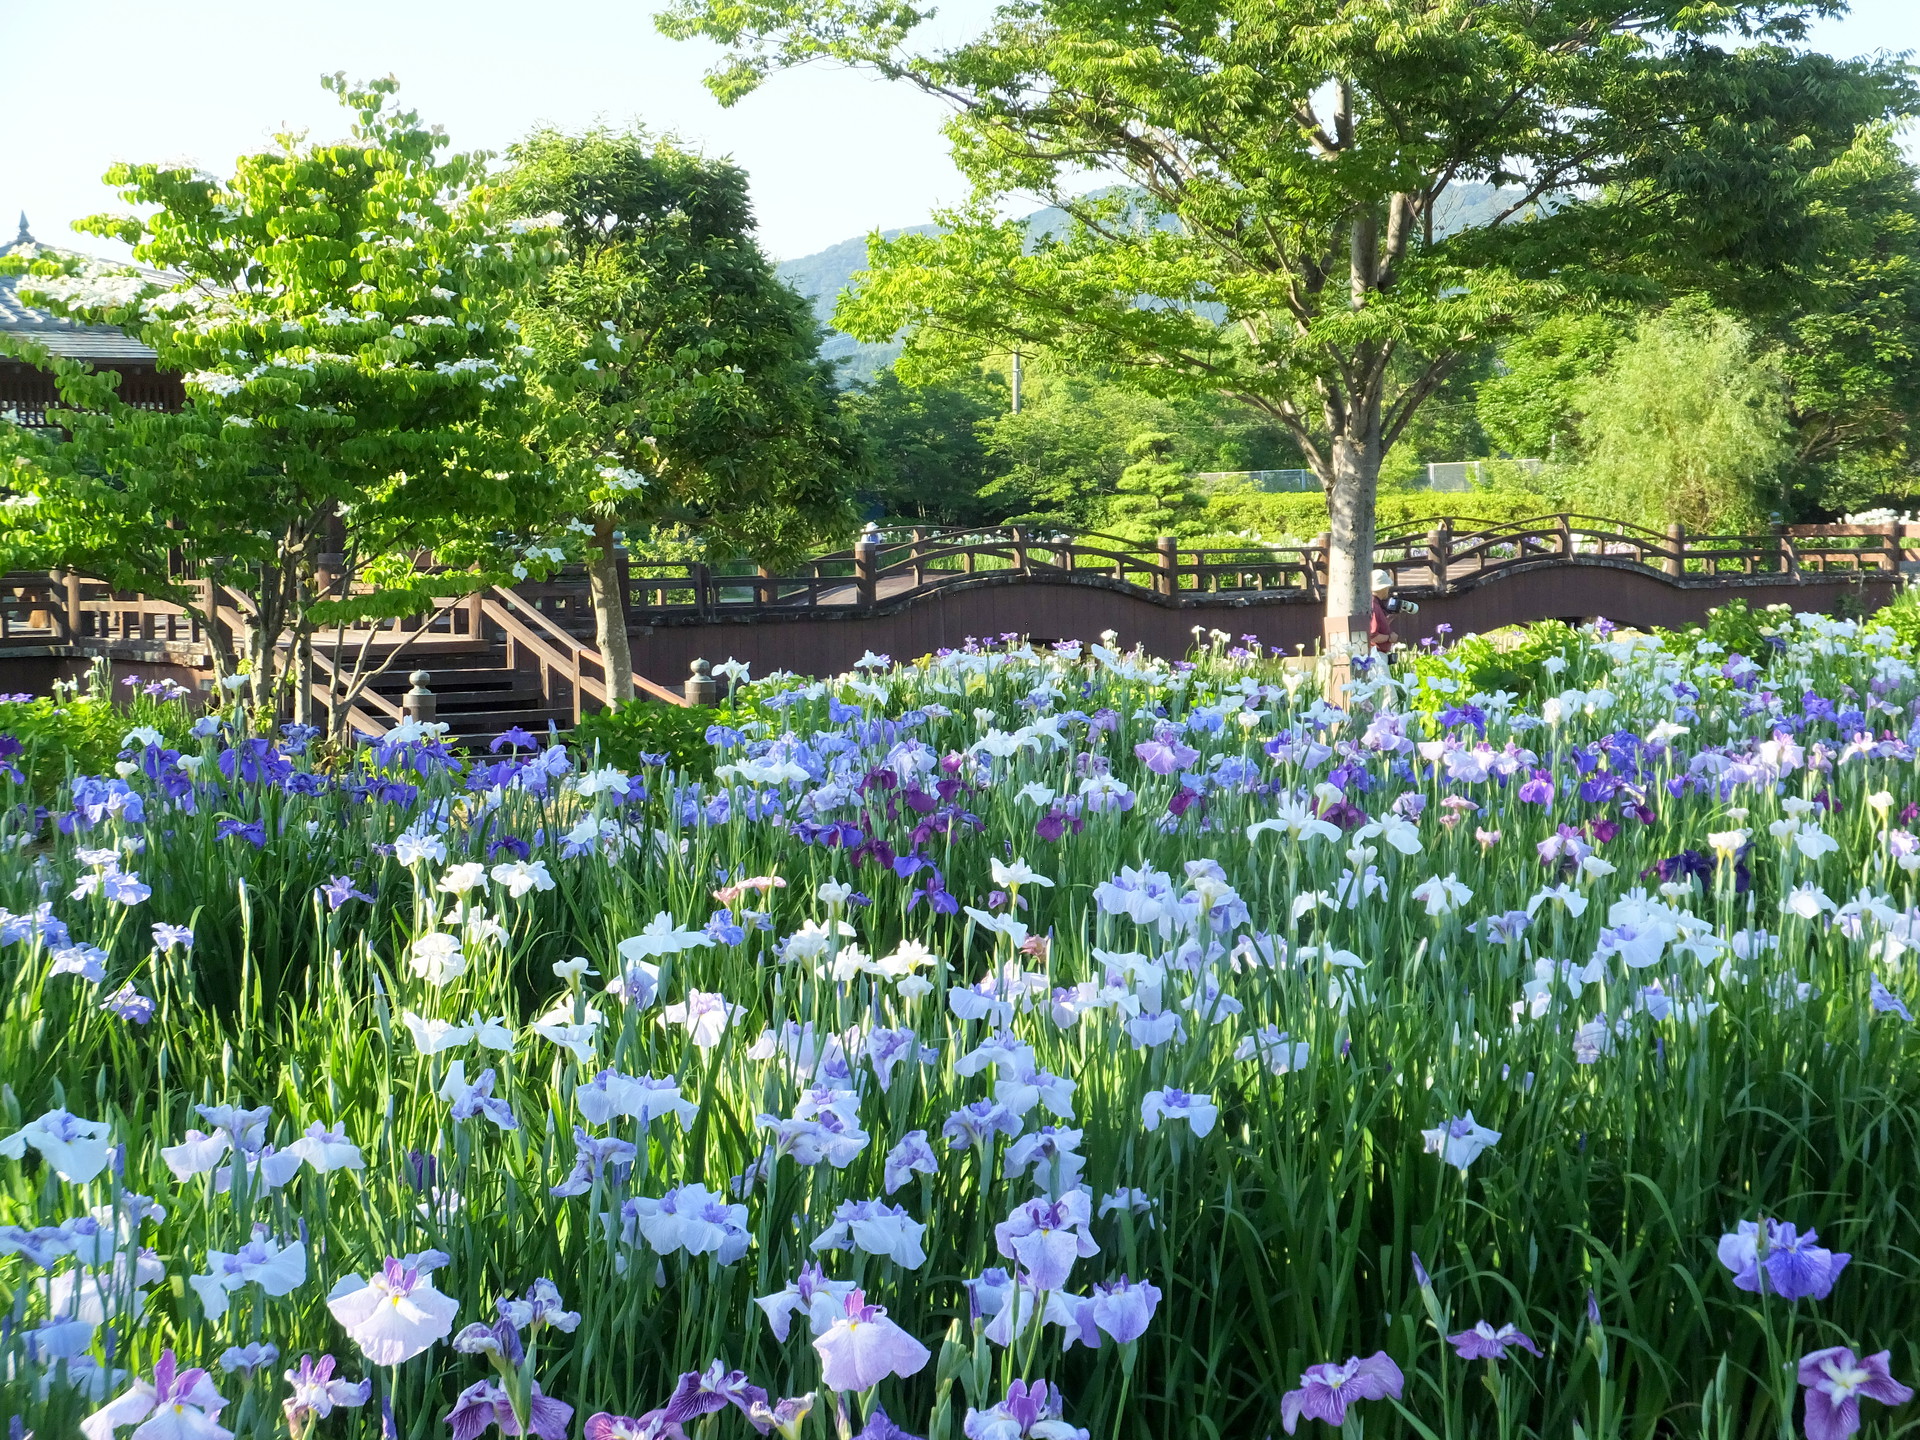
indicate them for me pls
(682, 376)
(1287, 230)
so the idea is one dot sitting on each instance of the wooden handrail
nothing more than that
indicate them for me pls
(527, 626)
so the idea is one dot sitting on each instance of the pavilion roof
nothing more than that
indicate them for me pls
(101, 344)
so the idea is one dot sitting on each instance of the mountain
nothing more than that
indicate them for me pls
(822, 275)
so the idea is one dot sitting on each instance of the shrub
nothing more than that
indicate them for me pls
(82, 728)
(622, 734)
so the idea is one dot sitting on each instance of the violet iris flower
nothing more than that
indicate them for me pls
(700, 1394)
(316, 1392)
(484, 1403)
(130, 1005)
(1028, 1411)
(184, 1401)
(1886, 1002)
(878, 1427)
(1789, 1264)
(1483, 1342)
(1835, 1379)
(863, 1347)
(1327, 1390)
(1046, 1238)
(653, 1425)
(339, 890)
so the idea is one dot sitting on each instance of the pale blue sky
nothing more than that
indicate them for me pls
(832, 153)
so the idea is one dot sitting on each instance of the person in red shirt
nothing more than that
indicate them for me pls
(1380, 627)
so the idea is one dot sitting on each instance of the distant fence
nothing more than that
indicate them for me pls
(1271, 482)
(1459, 476)
(1446, 476)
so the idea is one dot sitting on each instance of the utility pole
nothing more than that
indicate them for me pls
(1016, 382)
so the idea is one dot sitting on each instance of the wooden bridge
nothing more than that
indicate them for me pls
(526, 655)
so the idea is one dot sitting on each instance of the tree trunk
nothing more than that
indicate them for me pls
(1350, 512)
(610, 613)
(1351, 524)
(263, 640)
(301, 666)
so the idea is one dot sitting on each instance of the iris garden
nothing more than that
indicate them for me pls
(1046, 1042)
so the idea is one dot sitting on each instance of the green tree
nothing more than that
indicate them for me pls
(1286, 163)
(1063, 451)
(1154, 495)
(1526, 406)
(1849, 339)
(683, 378)
(340, 313)
(928, 455)
(1688, 423)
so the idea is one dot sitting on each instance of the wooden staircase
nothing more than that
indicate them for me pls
(492, 661)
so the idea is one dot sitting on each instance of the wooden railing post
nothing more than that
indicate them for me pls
(1316, 562)
(1440, 554)
(1169, 550)
(701, 688)
(1789, 557)
(764, 592)
(919, 537)
(1565, 529)
(74, 631)
(866, 569)
(697, 576)
(1676, 565)
(419, 702)
(1019, 550)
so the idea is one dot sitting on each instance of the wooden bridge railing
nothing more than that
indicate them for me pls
(550, 624)
(895, 566)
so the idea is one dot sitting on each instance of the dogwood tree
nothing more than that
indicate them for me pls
(340, 312)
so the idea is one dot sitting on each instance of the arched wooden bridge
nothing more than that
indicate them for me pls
(527, 654)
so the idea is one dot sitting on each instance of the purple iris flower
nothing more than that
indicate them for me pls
(1164, 754)
(1507, 928)
(130, 1005)
(1345, 814)
(254, 833)
(1835, 1379)
(484, 1404)
(879, 1427)
(513, 739)
(1688, 864)
(501, 1338)
(1885, 1001)
(1780, 1260)
(1538, 789)
(316, 1394)
(339, 890)
(934, 891)
(1125, 1308)
(1028, 1410)
(1046, 1238)
(1483, 1342)
(1327, 1390)
(699, 1394)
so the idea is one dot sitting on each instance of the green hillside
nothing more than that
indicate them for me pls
(822, 275)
